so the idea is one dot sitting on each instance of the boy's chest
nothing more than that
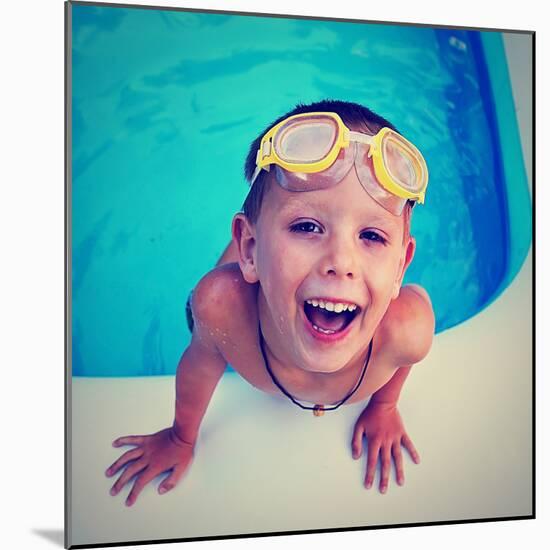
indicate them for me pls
(246, 358)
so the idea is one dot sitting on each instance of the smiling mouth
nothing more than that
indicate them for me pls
(328, 317)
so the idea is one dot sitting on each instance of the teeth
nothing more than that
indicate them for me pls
(337, 307)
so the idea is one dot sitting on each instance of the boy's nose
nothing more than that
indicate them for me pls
(336, 272)
(340, 261)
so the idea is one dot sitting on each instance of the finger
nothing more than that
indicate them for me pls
(172, 480)
(143, 479)
(132, 454)
(385, 457)
(357, 441)
(398, 459)
(128, 440)
(130, 472)
(372, 459)
(408, 444)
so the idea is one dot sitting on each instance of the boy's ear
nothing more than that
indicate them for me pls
(404, 263)
(244, 236)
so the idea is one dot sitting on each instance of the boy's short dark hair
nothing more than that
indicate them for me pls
(353, 115)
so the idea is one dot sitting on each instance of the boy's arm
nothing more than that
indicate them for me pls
(410, 331)
(199, 370)
(389, 393)
(408, 334)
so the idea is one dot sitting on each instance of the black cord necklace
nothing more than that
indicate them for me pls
(318, 410)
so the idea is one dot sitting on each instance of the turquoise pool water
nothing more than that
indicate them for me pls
(164, 107)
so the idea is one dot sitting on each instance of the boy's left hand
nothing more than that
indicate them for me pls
(382, 425)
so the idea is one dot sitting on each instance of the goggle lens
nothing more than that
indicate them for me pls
(401, 164)
(306, 142)
(300, 181)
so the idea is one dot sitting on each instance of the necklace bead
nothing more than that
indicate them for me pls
(318, 410)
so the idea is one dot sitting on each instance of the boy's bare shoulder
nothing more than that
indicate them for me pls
(408, 326)
(220, 295)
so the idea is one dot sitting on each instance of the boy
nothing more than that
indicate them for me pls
(306, 303)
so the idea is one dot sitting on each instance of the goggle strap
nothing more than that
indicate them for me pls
(266, 149)
(263, 151)
(255, 175)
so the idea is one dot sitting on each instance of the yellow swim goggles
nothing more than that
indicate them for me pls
(312, 151)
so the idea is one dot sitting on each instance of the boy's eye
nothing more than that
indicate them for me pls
(305, 227)
(373, 236)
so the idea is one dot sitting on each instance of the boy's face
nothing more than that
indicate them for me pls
(333, 245)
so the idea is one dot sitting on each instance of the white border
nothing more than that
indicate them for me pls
(32, 274)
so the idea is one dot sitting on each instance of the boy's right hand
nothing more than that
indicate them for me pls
(152, 455)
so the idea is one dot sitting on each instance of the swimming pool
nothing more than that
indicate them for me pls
(165, 105)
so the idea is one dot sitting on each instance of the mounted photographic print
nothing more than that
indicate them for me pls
(299, 274)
